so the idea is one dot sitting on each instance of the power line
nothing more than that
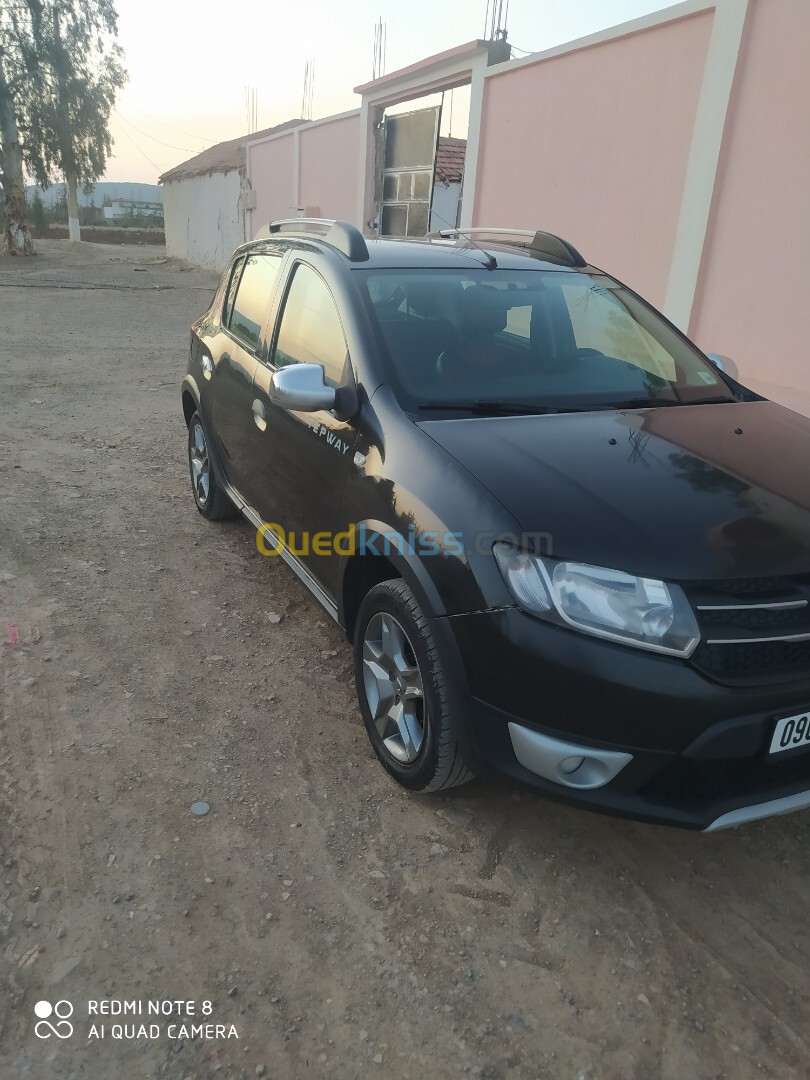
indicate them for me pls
(146, 135)
(171, 127)
(140, 149)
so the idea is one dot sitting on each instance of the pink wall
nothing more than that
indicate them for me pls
(755, 283)
(593, 145)
(330, 168)
(272, 178)
(328, 172)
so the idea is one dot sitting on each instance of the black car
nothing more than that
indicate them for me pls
(566, 545)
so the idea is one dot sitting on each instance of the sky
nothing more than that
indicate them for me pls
(191, 61)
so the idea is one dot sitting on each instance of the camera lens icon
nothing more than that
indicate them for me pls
(43, 1010)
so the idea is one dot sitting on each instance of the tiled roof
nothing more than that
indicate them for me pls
(450, 160)
(223, 157)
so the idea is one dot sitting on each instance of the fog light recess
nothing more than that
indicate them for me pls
(570, 765)
(563, 762)
(584, 772)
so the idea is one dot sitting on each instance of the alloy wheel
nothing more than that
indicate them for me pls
(200, 465)
(394, 687)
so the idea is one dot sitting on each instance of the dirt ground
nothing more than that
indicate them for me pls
(343, 927)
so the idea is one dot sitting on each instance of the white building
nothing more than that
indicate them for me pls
(205, 199)
(129, 208)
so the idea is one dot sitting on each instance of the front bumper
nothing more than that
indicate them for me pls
(692, 753)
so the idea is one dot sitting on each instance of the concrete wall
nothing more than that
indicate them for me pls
(203, 221)
(755, 276)
(593, 144)
(314, 167)
(329, 167)
(272, 173)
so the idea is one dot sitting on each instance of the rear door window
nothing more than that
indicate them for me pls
(310, 331)
(253, 295)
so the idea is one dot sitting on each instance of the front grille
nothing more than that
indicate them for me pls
(754, 631)
(759, 779)
(762, 621)
(755, 663)
(753, 589)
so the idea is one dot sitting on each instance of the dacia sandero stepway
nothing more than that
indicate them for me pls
(566, 545)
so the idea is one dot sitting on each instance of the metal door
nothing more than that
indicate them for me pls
(409, 161)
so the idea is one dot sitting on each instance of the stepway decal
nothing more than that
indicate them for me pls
(332, 439)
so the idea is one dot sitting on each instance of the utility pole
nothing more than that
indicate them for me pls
(65, 139)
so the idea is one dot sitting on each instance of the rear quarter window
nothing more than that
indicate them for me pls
(230, 292)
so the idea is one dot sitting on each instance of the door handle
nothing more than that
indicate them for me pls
(259, 415)
(207, 366)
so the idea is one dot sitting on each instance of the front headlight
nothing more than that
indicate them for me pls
(636, 611)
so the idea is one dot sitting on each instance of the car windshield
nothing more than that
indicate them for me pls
(531, 340)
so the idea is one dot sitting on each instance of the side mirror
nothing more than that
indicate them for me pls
(301, 388)
(724, 363)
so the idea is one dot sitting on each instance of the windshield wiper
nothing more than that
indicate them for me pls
(487, 407)
(655, 403)
(497, 408)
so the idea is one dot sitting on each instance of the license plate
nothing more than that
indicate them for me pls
(791, 733)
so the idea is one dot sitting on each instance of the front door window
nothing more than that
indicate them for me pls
(310, 331)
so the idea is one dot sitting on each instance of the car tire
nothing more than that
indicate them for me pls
(405, 697)
(211, 500)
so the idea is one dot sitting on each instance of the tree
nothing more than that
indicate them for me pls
(39, 215)
(67, 71)
(60, 211)
(16, 234)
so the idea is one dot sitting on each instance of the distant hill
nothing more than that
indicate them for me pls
(101, 191)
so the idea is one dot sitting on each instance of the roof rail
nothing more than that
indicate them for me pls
(543, 243)
(340, 235)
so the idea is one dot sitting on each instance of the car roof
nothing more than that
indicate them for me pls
(388, 253)
(454, 254)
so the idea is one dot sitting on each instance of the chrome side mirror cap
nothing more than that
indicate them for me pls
(301, 388)
(724, 363)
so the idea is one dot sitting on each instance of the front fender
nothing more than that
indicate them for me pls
(189, 386)
(408, 564)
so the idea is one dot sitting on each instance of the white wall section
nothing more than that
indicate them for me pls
(203, 220)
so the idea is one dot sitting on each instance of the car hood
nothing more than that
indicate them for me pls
(686, 492)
